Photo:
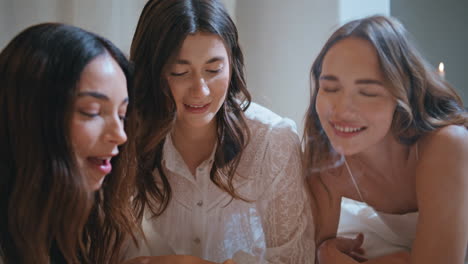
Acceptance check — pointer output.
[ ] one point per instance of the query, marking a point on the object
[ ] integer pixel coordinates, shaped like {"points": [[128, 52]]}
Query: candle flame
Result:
{"points": [[441, 67]]}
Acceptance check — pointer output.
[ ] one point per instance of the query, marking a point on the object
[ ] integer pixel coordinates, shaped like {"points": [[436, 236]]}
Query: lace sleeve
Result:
{"points": [[149, 244], [284, 207]]}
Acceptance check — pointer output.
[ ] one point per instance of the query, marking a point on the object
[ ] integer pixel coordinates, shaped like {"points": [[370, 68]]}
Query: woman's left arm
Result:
{"points": [[442, 194]]}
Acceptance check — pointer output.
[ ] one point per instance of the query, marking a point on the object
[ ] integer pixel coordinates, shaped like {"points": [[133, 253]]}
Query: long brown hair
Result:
{"points": [[425, 102], [48, 213], [161, 30]]}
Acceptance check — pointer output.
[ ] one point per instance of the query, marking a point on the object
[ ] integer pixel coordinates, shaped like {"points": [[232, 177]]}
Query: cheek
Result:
{"points": [[322, 105], [76, 131], [83, 137], [382, 111], [388, 117], [176, 89], [220, 86]]}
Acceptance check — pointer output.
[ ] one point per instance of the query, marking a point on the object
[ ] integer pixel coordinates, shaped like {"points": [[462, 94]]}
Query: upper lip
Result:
{"points": [[107, 156], [197, 104], [345, 124]]}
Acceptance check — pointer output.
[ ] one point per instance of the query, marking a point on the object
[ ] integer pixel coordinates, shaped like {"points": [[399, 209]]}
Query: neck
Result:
{"points": [[195, 144]]}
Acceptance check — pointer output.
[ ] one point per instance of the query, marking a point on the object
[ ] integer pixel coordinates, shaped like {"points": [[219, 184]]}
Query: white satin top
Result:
{"points": [[383, 233]]}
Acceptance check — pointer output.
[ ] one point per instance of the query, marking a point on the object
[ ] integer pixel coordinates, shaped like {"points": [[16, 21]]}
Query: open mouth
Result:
{"points": [[343, 130], [102, 164], [348, 129], [196, 108]]}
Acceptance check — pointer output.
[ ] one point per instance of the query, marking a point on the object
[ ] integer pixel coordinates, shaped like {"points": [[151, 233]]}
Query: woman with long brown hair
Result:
{"points": [[386, 145], [215, 179], [63, 100]]}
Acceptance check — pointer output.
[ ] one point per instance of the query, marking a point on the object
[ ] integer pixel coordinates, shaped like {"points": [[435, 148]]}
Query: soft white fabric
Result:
{"points": [[203, 221], [383, 233]]}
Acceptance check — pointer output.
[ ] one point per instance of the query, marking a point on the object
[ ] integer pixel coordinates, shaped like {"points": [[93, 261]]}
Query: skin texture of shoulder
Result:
{"points": [[441, 184]]}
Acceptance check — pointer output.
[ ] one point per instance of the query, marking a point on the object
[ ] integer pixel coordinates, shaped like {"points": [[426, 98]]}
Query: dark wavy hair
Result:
{"points": [[425, 102], [48, 214], [161, 30]]}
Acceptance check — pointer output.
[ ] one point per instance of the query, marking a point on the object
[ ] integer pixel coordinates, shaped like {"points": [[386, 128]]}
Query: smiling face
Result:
{"points": [[353, 104], [97, 122], [199, 79]]}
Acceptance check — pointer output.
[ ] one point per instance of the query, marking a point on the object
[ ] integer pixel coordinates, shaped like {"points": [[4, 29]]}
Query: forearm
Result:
{"points": [[402, 257]]}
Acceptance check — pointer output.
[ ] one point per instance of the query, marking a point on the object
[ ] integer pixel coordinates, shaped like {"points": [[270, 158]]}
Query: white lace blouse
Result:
{"points": [[201, 220]]}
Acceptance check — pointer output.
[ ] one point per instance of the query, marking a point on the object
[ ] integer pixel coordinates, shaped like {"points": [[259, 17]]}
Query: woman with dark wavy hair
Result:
{"points": [[215, 180], [386, 145], [63, 99]]}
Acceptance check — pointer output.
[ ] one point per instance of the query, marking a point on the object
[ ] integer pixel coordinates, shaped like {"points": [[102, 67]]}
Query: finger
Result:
{"points": [[359, 251], [359, 240], [347, 245], [335, 256], [139, 260], [357, 257], [357, 245]]}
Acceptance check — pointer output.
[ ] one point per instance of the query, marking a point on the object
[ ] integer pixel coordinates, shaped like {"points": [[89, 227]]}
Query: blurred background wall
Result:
{"points": [[280, 38], [440, 31]]}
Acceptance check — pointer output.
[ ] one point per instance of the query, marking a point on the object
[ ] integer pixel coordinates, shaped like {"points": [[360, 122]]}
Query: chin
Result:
{"points": [[200, 123], [96, 185], [345, 150]]}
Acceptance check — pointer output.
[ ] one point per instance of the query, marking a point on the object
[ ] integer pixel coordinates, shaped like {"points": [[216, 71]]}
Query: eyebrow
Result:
{"points": [[369, 81], [99, 96], [212, 60], [328, 78], [359, 81]]}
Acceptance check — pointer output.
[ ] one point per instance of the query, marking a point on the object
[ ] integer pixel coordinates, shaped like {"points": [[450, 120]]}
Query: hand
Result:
{"points": [[401, 257], [333, 249], [139, 260]]}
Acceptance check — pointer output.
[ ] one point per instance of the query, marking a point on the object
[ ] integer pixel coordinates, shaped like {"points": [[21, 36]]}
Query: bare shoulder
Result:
{"points": [[443, 156], [454, 138], [441, 184]]}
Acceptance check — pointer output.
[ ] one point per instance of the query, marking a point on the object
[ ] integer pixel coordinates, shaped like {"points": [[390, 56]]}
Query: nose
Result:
{"points": [[344, 105], [199, 87], [115, 131]]}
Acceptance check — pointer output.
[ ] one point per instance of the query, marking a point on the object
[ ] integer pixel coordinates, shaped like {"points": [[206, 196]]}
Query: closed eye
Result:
{"points": [[372, 91], [330, 89], [89, 114], [178, 73], [214, 71], [369, 94]]}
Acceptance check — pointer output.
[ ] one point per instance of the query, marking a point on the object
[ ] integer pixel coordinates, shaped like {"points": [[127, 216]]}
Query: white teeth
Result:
{"points": [[196, 106], [348, 129]]}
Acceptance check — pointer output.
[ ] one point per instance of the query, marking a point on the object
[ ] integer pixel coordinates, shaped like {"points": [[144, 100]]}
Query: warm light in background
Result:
{"points": [[441, 70], [441, 67]]}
